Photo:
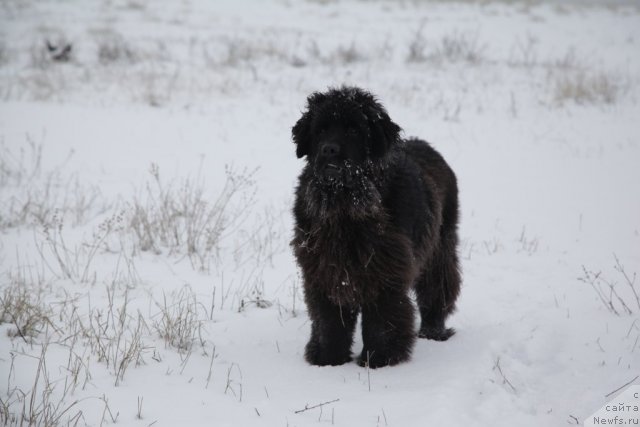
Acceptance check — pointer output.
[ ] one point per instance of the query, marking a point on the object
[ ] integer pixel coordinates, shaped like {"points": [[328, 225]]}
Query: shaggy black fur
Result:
{"points": [[375, 216]]}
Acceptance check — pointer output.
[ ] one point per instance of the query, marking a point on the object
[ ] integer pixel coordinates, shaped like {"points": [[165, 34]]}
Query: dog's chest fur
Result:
{"points": [[341, 258]]}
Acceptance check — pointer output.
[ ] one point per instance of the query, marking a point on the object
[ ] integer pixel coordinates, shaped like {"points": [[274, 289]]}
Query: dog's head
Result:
{"points": [[341, 131], [346, 136]]}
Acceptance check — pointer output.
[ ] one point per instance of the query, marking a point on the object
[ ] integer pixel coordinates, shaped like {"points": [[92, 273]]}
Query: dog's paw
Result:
{"points": [[436, 334], [373, 360], [316, 355]]}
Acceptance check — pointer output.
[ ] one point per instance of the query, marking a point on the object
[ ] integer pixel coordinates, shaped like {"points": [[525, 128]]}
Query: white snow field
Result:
{"points": [[146, 181]]}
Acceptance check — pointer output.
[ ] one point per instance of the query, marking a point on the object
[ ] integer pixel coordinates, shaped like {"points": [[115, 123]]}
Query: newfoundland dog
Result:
{"points": [[375, 216]]}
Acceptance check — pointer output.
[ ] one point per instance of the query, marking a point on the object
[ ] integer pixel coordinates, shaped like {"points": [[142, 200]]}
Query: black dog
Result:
{"points": [[375, 215]]}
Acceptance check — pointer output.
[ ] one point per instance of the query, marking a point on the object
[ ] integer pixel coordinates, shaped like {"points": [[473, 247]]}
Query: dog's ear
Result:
{"points": [[385, 133], [302, 128], [300, 133]]}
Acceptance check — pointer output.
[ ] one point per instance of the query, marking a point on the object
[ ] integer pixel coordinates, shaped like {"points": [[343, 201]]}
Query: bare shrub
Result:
{"points": [[258, 243], [297, 62], [44, 53], [75, 262], [113, 48], [616, 300], [253, 295], [524, 52], [568, 61], [181, 218], [453, 47], [235, 51], [29, 196], [39, 58], [43, 84], [348, 54], [417, 47], [526, 243], [459, 47], [25, 165], [157, 85], [313, 50], [238, 51], [40, 201], [571, 79], [630, 281], [136, 4], [125, 272], [583, 87], [307, 52], [4, 53]]}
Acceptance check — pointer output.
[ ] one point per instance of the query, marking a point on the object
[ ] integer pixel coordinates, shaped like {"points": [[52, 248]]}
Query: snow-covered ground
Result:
{"points": [[146, 184]]}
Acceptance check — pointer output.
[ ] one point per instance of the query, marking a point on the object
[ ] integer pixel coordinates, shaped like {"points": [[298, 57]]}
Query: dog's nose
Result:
{"points": [[329, 149]]}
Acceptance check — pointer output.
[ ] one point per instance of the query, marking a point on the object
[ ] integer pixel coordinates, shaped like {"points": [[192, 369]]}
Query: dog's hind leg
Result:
{"points": [[437, 290]]}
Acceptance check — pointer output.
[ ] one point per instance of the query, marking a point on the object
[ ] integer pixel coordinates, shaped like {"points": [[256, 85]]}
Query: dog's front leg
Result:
{"points": [[332, 328], [387, 329]]}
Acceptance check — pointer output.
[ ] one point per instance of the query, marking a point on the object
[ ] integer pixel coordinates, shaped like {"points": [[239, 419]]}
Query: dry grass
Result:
{"points": [[179, 322], [33, 197], [451, 48], [22, 305], [524, 52], [348, 54], [586, 87], [115, 334], [18, 167], [47, 403], [184, 220], [418, 47], [4, 53], [75, 261], [113, 48]]}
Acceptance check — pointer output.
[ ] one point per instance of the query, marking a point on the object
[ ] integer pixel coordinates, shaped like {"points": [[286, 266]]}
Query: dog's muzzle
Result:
{"points": [[333, 174]]}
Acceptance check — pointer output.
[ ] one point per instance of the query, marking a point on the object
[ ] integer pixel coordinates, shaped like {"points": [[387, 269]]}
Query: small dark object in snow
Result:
{"points": [[376, 215], [60, 52]]}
